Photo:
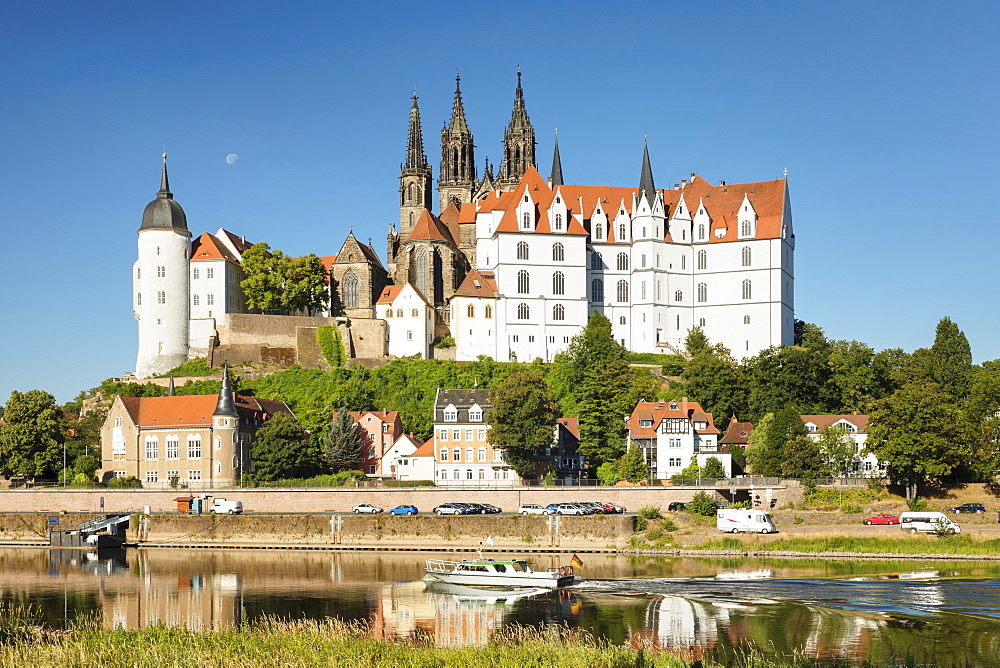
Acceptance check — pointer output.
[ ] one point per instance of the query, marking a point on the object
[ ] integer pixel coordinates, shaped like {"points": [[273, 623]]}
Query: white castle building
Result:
{"points": [[511, 267]]}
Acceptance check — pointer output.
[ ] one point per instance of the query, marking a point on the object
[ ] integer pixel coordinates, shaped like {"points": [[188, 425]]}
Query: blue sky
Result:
{"points": [[884, 114]]}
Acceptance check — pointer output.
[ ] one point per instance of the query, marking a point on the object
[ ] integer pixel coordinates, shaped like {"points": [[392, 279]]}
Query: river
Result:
{"points": [[940, 613]]}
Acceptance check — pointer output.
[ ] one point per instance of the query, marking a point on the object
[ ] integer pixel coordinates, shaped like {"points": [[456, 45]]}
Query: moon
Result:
{"points": [[231, 158]]}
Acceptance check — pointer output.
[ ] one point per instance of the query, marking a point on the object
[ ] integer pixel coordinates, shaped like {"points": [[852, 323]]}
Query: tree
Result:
{"points": [[32, 435], [715, 380], [265, 279], [852, 376], [341, 444], [591, 347], [702, 504], [282, 450], [523, 418], [305, 284], [837, 449], [984, 418], [713, 469], [803, 459], [766, 446], [607, 395], [790, 376], [632, 465], [951, 359], [919, 433], [695, 341]]}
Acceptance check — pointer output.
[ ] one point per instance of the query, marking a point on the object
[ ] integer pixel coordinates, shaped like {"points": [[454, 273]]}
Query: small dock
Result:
{"points": [[102, 532]]}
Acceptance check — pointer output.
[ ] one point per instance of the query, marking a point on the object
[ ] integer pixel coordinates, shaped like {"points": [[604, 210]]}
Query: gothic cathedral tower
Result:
{"points": [[518, 144], [161, 284], [415, 182], [458, 169]]}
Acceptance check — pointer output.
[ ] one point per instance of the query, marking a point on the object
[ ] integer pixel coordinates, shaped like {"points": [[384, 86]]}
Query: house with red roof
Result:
{"points": [[417, 464], [380, 430], [671, 434], [409, 319], [200, 441], [859, 463]]}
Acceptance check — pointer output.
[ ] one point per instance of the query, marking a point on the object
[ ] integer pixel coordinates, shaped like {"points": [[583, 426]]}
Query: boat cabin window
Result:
{"points": [[500, 568], [518, 566]]}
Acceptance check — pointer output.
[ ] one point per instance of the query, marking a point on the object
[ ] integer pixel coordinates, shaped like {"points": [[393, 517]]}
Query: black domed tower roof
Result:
{"points": [[225, 407], [163, 213]]}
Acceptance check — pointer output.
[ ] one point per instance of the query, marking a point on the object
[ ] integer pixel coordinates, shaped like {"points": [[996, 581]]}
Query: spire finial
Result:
{"points": [[164, 192], [786, 172]]}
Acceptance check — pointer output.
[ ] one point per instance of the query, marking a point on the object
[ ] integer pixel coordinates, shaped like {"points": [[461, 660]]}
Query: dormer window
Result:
{"points": [[701, 425], [645, 424], [475, 414], [526, 221], [451, 414]]}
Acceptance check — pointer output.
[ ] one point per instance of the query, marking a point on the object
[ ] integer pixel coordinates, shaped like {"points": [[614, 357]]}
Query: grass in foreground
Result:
{"points": [[329, 642], [962, 545]]}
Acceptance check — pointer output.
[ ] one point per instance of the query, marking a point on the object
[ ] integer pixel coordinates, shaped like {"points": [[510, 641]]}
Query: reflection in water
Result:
{"points": [[943, 613]]}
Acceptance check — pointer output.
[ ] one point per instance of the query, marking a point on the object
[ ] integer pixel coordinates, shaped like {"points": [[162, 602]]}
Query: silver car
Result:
{"points": [[533, 509], [367, 508]]}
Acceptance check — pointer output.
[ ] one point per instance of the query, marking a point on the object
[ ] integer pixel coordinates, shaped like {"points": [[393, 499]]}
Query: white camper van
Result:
{"points": [[222, 506], [736, 520], [927, 522]]}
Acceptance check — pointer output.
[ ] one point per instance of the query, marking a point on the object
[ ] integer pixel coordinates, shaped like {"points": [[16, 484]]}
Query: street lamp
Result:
{"points": [[64, 464]]}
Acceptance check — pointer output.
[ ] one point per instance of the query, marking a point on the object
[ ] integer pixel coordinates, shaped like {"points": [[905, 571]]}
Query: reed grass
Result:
{"points": [[271, 641], [945, 545]]}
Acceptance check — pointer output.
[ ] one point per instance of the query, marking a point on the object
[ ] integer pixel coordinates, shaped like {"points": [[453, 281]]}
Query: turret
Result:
{"points": [[161, 284], [415, 181], [457, 180], [518, 143]]}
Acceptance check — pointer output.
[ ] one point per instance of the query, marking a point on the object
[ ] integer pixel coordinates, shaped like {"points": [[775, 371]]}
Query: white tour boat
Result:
{"points": [[494, 573]]}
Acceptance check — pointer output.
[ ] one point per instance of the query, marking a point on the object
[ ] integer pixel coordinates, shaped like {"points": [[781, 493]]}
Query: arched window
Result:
{"points": [[621, 233], [399, 313], [444, 475], [701, 232], [420, 269], [468, 474], [622, 261], [746, 288], [746, 256], [482, 474], [195, 300], [457, 454], [701, 322], [161, 272], [596, 262], [523, 312], [598, 231], [350, 288], [456, 474], [558, 312], [522, 250], [523, 282], [470, 311], [623, 291], [597, 290], [621, 320], [194, 273], [678, 296], [415, 313], [388, 313], [468, 454], [702, 292], [526, 223], [558, 252], [702, 259], [746, 320], [488, 311], [558, 283], [558, 221], [745, 228]]}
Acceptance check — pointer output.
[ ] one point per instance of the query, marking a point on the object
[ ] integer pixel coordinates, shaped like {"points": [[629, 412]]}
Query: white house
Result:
{"points": [[671, 433], [417, 465], [473, 316], [464, 455], [402, 448], [855, 426], [409, 318]]}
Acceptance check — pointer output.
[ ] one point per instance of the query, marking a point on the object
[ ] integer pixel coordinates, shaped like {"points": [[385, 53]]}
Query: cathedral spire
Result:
{"points": [[458, 123], [457, 181], [415, 157], [646, 186], [556, 174], [518, 143]]}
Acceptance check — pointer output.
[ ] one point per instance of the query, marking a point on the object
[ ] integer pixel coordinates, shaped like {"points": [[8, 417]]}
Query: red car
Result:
{"points": [[882, 519]]}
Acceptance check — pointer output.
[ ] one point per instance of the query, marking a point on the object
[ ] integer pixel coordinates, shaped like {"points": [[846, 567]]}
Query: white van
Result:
{"points": [[927, 522], [222, 506], [735, 520]]}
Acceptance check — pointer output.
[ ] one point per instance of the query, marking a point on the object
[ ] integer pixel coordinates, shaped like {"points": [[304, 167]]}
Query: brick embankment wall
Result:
{"points": [[341, 499]]}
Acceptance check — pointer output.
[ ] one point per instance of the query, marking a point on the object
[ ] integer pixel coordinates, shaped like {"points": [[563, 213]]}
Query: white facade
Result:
{"points": [[855, 426], [671, 434], [409, 459], [409, 319], [159, 299]]}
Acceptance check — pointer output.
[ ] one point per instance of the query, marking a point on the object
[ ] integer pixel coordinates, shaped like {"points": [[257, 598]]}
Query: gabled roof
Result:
{"points": [[737, 433], [194, 409], [425, 450], [208, 247], [365, 249], [451, 217], [462, 399], [656, 411], [572, 425], [239, 243], [391, 292], [860, 422], [478, 284], [384, 416], [429, 227]]}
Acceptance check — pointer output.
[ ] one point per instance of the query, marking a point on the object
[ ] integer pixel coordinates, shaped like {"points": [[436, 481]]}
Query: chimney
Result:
{"points": [[692, 177], [684, 183], [722, 183], [677, 186]]}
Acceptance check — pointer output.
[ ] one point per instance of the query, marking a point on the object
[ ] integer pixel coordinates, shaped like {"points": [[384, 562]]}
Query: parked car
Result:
{"points": [[927, 522], [491, 509], [404, 509], [553, 508], [473, 508], [533, 509], [589, 507], [969, 508], [675, 506], [882, 518], [367, 508], [612, 508], [450, 509], [571, 509]]}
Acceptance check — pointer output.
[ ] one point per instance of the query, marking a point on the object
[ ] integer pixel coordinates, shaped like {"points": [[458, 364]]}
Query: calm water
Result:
{"points": [[945, 613]]}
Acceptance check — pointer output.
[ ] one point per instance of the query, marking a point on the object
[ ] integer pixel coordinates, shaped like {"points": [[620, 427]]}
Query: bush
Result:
{"points": [[851, 509], [797, 519], [916, 504], [650, 513], [607, 473], [445, 342], [407, 483], [195, 367], [130, 482], [331, 345], [668, 525], [702, 504], [640, 524]]}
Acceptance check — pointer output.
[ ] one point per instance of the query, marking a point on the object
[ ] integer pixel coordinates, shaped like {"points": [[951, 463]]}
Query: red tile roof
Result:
{"points": [[194, 409], [478, 284], [425, 450], [207, 247], [824, 421], [737, 433], [657, 411], [390, 292], [429, 227]]}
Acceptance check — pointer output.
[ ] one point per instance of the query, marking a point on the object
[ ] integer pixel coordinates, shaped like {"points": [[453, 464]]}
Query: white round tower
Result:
{"points": [[161, 284]]}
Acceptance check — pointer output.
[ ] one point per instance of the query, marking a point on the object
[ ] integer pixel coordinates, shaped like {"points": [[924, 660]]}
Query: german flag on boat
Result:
{"points": [[576, 561]]}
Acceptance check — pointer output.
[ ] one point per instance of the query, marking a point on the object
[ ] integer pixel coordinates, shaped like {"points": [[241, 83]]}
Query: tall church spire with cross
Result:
{"points": [[518, 143], [457, 180], [415, 181]]}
